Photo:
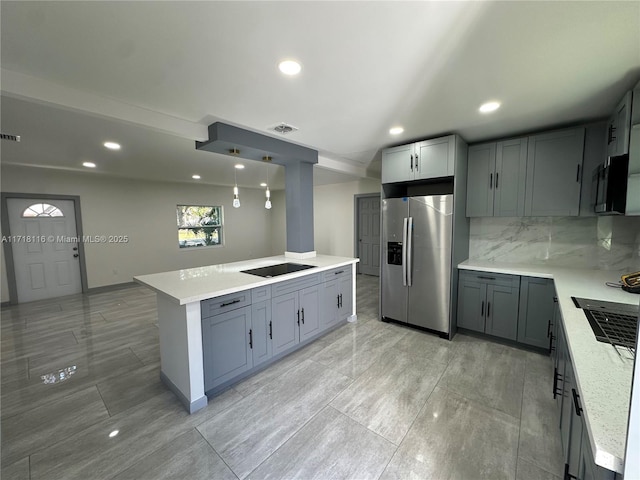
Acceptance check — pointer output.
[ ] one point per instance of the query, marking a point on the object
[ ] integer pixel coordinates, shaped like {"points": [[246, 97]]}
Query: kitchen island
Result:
{"points": [[204, 313], [602, 376]]}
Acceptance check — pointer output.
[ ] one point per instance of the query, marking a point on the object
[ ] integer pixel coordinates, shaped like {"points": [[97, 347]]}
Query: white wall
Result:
{"points": [[146, 212], [334, 215]]}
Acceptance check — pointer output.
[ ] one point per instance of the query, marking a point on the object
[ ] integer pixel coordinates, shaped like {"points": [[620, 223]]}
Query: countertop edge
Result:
{"points": [[250, 284]]}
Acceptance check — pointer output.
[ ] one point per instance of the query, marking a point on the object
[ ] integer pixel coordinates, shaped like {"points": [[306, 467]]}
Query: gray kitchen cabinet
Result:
{"points": [[480, 171], [397, 164], [489, 303], [261, 348], [337, 299], [472, 294], [309, 312], [570, 420], [226, 346], [435, 158], [619, 127], [295, 313], [554, 173], [587, 468], [423, 160], [502, 310], [284, 319], [536, 311], [496, 179]]}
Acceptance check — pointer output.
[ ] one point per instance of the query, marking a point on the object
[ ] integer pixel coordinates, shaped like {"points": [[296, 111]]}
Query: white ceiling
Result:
{"points": [[153, 75]]}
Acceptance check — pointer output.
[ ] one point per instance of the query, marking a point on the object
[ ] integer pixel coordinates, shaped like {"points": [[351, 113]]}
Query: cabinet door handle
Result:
{"points": [[341, 271], [490, 181], [298, 316], [411, 163], [417, 166], [271, 330], [251, 339], [497, 173], [338, 300], [549, 328], [488, 309], [482, 309], [576, 402], [578, 174], [556, 377], [230, 303], [487, 278], [303, 316]]}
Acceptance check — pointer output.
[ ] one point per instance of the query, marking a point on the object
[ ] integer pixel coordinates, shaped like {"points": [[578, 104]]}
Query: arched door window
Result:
{"points": [[42, 210]]}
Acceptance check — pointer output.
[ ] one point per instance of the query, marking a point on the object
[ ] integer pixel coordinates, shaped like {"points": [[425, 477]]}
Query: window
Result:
{"points": [[42, 210], [199, 226]]}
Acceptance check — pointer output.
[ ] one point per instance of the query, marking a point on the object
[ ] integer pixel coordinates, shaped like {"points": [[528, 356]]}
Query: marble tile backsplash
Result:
{"points": [[582, 242]]}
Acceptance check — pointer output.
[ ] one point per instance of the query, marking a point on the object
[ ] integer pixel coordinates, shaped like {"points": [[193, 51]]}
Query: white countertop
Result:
{"points": [[196, 284], [602, 377]]}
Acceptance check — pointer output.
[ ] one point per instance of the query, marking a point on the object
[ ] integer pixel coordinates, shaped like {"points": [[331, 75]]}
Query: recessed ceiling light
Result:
{"points": [[112, 145], [89, 165], [114, 433], [289, 67], [489, 107], [239, 166], [195, 177], [263, 184], [396, 130]]}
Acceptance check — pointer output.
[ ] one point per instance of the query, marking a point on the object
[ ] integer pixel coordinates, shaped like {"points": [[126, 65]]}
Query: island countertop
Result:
{"points": [[200, 283], [602, 376]]}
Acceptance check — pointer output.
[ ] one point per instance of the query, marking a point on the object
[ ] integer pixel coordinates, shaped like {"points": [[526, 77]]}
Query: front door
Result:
{"points": [[369, 235], [45, 250]]}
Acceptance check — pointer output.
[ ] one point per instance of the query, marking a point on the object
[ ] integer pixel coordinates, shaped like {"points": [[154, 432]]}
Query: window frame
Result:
{"points": [[195, 228]]}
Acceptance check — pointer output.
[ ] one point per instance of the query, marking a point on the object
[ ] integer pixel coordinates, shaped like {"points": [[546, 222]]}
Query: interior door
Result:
{"points": [[394, 292], [45, 253], [369, 235]]}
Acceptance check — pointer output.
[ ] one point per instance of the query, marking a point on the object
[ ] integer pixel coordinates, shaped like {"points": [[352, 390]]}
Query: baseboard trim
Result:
{"points": [[111, 288], [190, 406]]}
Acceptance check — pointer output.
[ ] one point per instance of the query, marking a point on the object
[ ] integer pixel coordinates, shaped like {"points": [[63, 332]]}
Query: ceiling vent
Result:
{"points": [[284, 128], [12, 138]]}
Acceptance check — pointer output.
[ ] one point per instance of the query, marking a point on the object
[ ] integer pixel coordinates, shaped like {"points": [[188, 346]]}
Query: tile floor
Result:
{"points": [[369, 400]]}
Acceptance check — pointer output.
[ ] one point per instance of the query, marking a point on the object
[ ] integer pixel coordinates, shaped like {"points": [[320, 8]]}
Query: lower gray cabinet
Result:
{"points": [[536, 310], [284, 318], [261, 335], [489, 303], [337, 298], [295, 317], [226, 346]]}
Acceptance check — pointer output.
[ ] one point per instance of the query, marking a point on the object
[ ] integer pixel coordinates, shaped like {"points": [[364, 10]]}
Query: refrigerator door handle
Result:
{"points": [[409, 250], [404, 251]]}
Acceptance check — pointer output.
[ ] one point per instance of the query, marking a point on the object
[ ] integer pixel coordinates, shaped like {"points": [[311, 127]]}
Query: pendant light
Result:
{"points": [[267, 204], [236, 197]]}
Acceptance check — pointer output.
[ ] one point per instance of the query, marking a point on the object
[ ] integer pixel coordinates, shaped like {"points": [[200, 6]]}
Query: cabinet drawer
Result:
{"points": [[491, 278], [261, 293], [296, 284], [225, 303], [336, 273]]}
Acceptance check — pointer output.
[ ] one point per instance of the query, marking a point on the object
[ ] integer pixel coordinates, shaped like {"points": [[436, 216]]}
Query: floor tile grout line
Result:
{"points": [[524, 380], [216, 452]]}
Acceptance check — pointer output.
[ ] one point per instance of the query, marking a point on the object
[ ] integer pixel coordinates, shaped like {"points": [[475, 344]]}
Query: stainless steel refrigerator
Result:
{"points": [[416, 263]]}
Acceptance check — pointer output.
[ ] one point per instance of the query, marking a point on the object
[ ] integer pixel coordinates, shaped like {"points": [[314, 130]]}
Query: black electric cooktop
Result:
{"points": [[275, 270]]}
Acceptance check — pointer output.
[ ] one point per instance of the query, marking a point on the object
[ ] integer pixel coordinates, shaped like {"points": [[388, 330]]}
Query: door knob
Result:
{"points": [[75, 255]]}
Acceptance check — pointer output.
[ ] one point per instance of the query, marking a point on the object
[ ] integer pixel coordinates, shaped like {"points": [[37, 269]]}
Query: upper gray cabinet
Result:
{"points": [[618, 127], [554, 173], [428, 159], [496, 179]]}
